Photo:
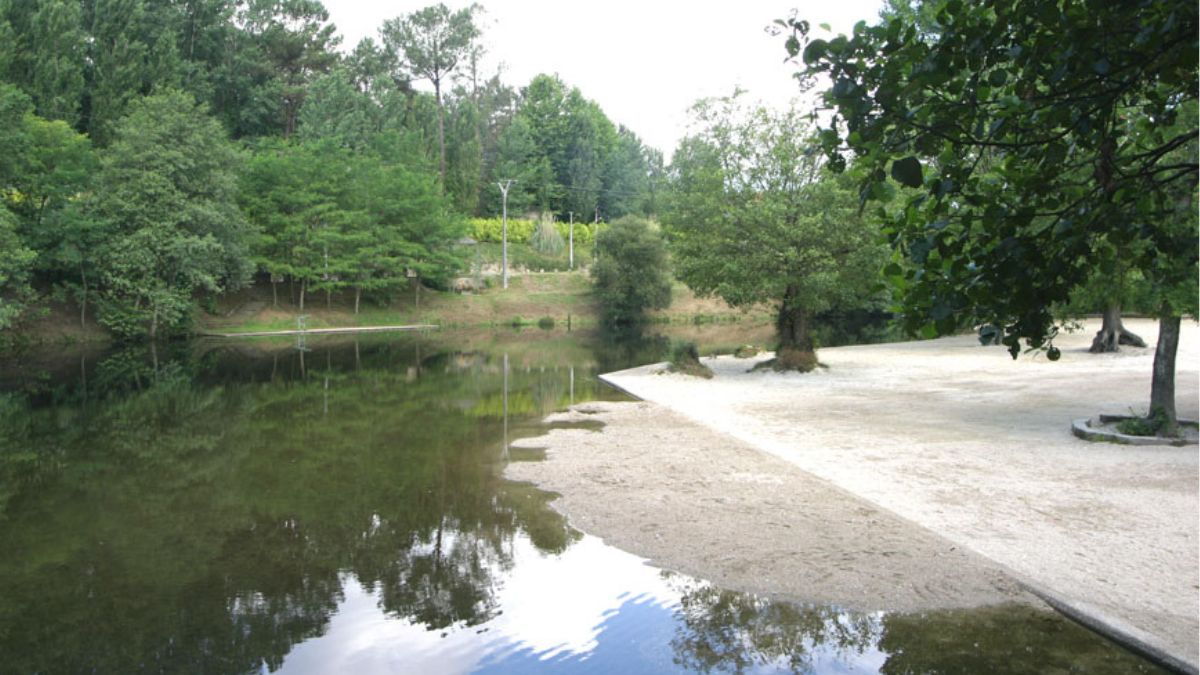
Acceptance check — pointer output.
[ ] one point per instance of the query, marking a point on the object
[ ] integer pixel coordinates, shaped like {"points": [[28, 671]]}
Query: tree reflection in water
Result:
{"points": [[202, 510]]}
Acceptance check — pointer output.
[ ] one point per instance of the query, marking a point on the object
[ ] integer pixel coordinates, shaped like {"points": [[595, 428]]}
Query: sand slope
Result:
{"points": [[700, 502], [976, 447]]}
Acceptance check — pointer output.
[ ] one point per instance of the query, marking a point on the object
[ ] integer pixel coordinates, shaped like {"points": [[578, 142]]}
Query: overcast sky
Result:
{"points": [[645, 62]]}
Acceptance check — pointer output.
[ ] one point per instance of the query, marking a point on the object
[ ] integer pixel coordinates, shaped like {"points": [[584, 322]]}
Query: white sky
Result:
{"points": [[644, 62]]}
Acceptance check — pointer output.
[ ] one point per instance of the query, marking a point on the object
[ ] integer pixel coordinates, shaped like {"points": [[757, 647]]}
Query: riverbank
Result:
{"points": [[532, 298], [545, 299], [948, 435]]}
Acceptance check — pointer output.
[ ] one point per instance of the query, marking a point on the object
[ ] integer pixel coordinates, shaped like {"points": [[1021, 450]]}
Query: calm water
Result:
{"points": [[338, 507]]}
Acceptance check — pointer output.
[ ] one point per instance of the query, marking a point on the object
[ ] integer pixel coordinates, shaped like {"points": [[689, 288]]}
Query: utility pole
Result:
{"points": [[571, 246], [504, 185]]}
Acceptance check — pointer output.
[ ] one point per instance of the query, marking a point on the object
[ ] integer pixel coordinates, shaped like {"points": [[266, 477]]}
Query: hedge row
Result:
{"points": [[520, 230]]}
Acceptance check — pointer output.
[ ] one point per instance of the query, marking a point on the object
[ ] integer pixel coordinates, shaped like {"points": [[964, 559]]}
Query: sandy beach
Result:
{"points": [[918, 474]]}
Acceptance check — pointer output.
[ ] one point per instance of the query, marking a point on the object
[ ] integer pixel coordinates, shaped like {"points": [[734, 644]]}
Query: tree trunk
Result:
{"points": [[792, 324], [83, 298], [795, 345], [437, 92], [1162, 387], [303, 286], [154, 323], [1112, 332], [357, 296], [274, 294]]}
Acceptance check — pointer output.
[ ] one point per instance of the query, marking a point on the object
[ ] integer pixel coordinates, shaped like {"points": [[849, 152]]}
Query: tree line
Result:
{"points": [[154, 151]]}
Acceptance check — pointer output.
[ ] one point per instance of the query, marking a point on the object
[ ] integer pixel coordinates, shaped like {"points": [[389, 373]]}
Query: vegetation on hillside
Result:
{"points": [[278, 157]]}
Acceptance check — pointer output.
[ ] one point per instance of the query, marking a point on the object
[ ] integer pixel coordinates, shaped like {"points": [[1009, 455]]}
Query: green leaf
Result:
{"points": [[907, 172], [815, 51]]}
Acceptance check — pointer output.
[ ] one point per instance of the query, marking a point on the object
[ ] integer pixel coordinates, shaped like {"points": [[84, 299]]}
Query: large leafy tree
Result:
{"points": [[432, 44], [1048, 140], [753, 221], [44, 168], [167, 189]]}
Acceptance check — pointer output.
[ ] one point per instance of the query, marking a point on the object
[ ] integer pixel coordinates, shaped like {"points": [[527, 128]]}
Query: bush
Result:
{"points": [[746, 352], [685, 359], [520, 230], [631, 270], [491, 230]]}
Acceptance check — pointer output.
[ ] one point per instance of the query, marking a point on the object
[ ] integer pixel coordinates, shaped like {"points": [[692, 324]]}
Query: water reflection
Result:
{"points": [[250, 506]]}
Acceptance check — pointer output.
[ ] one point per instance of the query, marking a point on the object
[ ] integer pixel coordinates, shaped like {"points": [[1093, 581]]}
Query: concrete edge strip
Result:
{"points": [[1082, 428], [1106, 626], [605, 379], [323, 331]]}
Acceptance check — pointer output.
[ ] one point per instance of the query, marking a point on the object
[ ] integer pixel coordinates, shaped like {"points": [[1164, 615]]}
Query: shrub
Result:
{"points": [[1150, 425], [631, 271], [520, 230], [491, 229], [746, 352], [685, 359]]}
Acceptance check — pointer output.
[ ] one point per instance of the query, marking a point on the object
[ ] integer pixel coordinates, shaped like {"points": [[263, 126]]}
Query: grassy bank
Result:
{"points": [[546, 299]]}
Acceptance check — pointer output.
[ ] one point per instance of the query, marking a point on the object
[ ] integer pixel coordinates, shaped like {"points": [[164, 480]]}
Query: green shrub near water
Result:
{"points": [[685, 358]]}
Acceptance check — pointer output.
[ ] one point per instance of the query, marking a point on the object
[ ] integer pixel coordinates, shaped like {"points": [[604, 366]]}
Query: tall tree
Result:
{"points": [[167, 187], [464, 154], [116, 57], [298, 43], [752, 221], [1052, 92], [58, 43], [432, 43]]}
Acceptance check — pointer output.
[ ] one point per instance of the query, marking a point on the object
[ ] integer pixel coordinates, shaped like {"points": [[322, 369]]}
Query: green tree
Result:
{"points": [[627, 177], [298, 42], [50, 187], [334, 109], [519, 158], [167, 189], [58, 44], [16, 264], [332, 219], [631, 270], [432, 43], [1042, 154], [116, 57], [464, 154], [292, 194], [752, 221]]}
